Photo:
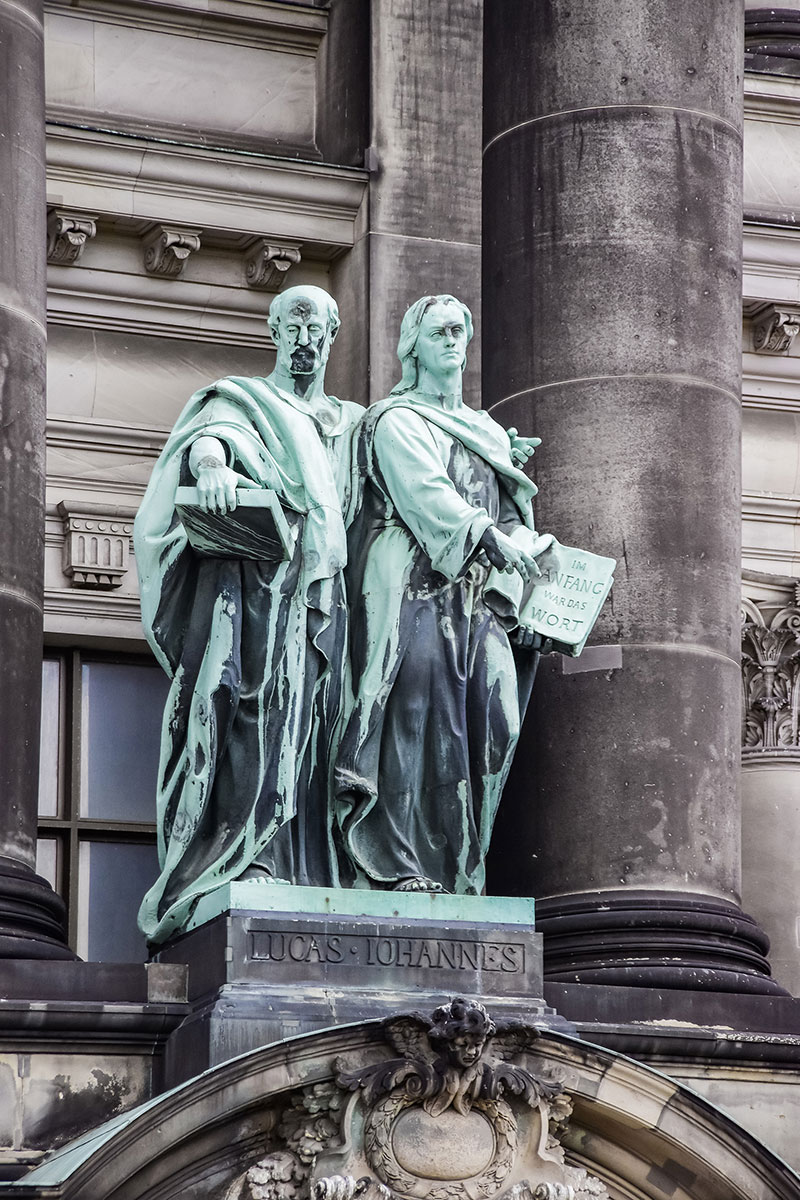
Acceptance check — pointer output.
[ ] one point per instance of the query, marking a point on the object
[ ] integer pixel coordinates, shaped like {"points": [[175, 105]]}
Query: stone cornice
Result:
{"points": [[270, 25], [771, 268], [67, 484], [775, 507], [109, 437], [145, 304], [136, 182], [771, 383], [771, 98]]}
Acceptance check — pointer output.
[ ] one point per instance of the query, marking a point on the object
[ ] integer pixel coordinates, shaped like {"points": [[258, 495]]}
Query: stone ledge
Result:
{"points": [[267, 24], [682, 1025], [289, 899], [89, 982]]}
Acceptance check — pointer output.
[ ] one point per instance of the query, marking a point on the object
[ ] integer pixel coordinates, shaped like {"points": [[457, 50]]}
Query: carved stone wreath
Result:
{"points": [[456, 1113], [385, 1147]]}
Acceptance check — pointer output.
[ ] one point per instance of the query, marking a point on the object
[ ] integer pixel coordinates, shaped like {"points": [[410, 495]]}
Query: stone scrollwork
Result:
{"points": [[345, 1187], [454, 1113], [267, 265], [166, 249], [67, 235], [775, 328], [770, 678], [581, 1186]]}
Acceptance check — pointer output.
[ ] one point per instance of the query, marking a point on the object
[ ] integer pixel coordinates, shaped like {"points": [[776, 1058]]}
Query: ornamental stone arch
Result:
{"points": [[352, 1112]]}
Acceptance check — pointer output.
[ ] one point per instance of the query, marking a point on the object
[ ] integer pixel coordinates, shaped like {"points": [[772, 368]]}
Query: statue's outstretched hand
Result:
{"points": [[522, 447], [505, 555]]}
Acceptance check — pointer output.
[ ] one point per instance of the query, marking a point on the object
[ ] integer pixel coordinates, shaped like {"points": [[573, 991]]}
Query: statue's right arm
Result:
{"points": [[216, 482], [504, 555]]}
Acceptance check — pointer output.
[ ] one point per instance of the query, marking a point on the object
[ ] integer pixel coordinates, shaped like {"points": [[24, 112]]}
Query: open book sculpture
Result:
{"points": [[564, 601]]}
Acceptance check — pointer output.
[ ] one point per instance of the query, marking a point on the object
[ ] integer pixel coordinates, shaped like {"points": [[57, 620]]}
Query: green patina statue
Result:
{"points": [[430, 732], [275, 765], [255, 648]]}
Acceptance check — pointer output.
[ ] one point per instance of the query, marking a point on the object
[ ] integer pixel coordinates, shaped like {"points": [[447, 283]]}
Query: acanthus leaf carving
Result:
{"points": [[770, 678], [277, 1176]]}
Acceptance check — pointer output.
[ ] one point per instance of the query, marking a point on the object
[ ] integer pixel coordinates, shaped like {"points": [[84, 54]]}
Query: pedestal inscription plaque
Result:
{"points": [[272, 970]]}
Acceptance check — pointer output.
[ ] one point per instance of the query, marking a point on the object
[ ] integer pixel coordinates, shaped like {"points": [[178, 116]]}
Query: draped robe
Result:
{"points": [[255, 651], [428, 738]]}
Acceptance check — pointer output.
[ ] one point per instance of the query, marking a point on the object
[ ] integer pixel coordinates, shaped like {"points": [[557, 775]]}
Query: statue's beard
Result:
{"points": [[304, 360]]}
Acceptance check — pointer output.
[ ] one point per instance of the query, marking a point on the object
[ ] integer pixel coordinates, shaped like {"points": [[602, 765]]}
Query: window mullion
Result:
{"points": [[74, 783]]}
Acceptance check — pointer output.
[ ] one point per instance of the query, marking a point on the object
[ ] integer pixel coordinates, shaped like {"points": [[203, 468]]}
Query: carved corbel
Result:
{"points": [[166, 249], [267, 265], [67, 235], [96, 544], [775, 328]]}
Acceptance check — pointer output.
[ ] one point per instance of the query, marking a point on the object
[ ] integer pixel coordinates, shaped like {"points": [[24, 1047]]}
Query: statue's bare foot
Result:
{"points": [[418, 883], [258, 874]]}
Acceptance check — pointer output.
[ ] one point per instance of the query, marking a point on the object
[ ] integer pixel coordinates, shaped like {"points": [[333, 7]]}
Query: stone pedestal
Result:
{"points": [[31, 915], [612, 324], [283, 960]]}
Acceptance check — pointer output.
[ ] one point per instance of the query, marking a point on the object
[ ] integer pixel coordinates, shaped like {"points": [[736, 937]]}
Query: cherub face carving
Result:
{"points": [[466, 1049], [460, 1031]]}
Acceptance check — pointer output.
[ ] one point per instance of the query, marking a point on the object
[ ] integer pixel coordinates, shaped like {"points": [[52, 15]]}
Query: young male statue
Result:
{"points": [[255, 649], [427, 744]]}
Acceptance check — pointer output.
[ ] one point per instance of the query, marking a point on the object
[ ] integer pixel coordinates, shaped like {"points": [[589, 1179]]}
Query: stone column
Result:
{"points": [[419, 231], [611, 329], [31, 915]]}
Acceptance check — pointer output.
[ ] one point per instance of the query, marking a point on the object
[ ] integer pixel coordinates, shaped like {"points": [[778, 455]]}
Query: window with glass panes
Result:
{"points": [[101, 727]]}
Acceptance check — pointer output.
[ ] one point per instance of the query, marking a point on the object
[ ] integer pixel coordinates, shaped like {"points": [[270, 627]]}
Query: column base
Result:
{"points": [[654, 939], [32, 916]]}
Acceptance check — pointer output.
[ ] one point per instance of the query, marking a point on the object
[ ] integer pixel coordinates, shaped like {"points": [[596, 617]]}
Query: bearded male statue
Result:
{"points": [[254, 649]]}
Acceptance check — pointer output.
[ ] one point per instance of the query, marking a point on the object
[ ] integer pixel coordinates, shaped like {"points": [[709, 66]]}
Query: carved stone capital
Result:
{"points": [[770, 677], [775, 328], [166, 249], [67, 235], [267, 264], [96, 544]]}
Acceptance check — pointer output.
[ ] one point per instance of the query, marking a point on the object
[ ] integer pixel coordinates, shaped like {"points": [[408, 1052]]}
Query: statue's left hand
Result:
{"points": [[529, 639], [522, 447]]}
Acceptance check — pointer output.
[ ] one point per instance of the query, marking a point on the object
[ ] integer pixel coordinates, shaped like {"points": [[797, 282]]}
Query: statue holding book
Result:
{"points": [[350, 605], [244, 607], [429, 738]]}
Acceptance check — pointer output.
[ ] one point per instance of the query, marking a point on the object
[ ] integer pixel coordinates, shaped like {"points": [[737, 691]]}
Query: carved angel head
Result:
{"points": [[460, 1031]]}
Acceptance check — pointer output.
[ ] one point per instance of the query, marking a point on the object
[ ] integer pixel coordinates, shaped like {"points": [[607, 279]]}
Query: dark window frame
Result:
{"points": [[69, 829]]}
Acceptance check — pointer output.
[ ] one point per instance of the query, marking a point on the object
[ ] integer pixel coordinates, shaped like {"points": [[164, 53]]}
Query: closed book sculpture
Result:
{"points": [[257, 528]]}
